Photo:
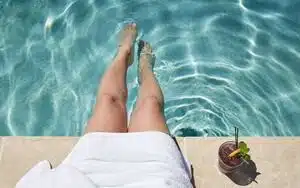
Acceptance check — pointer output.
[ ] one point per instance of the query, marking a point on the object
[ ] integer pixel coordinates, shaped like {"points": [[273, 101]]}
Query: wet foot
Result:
{"points": [[128, 36], [146, 59]]}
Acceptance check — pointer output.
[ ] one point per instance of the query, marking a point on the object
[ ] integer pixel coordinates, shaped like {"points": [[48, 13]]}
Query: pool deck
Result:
{"points": [[276, 158]]}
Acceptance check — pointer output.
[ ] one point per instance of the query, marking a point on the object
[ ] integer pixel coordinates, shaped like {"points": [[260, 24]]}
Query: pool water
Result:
{"points": [[221, 63]]}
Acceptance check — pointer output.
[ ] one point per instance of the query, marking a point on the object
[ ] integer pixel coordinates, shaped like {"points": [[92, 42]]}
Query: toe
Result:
{"points": [[129, 28], [146, 47], [133, 25]]}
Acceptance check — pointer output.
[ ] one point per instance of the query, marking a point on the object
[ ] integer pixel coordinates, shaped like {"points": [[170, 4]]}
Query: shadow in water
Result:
{"points": [[191, 132], [245, 175]]}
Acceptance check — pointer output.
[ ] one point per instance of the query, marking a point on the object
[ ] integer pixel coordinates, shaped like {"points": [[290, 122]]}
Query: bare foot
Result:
{"points": [[146, 59], [128, 36]]}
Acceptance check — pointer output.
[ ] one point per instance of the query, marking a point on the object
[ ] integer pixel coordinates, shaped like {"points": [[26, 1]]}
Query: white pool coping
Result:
{"points": [[276, 158]]}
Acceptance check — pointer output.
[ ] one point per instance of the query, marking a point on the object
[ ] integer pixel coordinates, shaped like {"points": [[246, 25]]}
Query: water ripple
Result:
{"points": [[220, 64]]}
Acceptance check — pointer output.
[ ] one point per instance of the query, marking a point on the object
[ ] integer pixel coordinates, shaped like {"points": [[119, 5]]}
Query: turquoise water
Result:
{"points": [[220, 63]]}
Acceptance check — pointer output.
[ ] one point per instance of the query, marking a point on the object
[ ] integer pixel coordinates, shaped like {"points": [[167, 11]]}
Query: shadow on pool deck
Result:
{"points": [[192, 169], [245, 175]]}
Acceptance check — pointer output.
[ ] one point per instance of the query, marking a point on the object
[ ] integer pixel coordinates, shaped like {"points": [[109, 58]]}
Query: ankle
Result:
{"points": [[123, 50], [146, 76], [122, 54]]}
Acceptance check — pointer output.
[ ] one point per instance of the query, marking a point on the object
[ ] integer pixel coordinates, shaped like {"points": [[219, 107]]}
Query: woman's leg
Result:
{"points": [[110, 113], [148, 114]]}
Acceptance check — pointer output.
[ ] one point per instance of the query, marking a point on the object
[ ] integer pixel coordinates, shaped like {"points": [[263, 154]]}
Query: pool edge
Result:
{"points": [[21, 153]]}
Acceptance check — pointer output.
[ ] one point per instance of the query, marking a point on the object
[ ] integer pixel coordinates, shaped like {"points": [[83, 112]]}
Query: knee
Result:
{"points": [[153, 103], [108, 99]]}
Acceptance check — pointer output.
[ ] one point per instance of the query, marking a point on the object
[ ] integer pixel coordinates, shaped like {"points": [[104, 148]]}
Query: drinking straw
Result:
{"points": [[236, 134]]}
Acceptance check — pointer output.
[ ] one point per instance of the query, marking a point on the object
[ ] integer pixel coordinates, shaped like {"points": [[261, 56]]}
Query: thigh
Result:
{"points": [[109, 116], [148, 116]]}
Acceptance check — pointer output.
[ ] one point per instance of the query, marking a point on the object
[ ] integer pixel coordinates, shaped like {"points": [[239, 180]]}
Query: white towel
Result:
{"points": [[145, 159]]}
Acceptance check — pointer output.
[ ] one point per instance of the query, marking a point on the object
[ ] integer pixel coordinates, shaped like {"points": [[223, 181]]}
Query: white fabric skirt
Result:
{"points": [[129, 157], [144, 159]]}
